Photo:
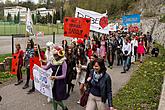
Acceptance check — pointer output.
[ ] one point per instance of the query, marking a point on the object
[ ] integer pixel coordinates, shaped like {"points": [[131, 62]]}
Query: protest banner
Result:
{"points": [[130, 19], [133, 28], [76, 27], [33, 60], [112, 27], [15, 61], [99, 22], [41, 80], [29, 22]]}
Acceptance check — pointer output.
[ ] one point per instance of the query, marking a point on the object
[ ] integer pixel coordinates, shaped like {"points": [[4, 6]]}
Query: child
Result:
{"points": [[155, 51]]}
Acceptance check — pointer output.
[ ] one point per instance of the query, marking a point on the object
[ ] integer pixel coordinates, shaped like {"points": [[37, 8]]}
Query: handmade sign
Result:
{"points": [[99, 22], [33, 60], [76, 27], [15, 61], [130, 19], [42, 82], [132, 28]]}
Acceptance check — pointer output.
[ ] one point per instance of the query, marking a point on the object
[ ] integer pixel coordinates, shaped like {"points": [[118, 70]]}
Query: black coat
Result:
{"points": [[105, 87]]}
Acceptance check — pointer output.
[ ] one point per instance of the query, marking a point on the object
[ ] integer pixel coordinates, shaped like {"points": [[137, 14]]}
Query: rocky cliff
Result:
{"points": [[156, 28]]}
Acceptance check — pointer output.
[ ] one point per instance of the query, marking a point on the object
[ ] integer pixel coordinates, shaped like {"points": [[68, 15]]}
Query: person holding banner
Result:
{"points": [[20, 63], [38, 59], [28, 54], [59, 67]]}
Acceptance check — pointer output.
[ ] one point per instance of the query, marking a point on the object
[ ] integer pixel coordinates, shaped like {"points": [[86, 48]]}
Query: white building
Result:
{"points": [[23, 12], [44, 11], [14, 11]]}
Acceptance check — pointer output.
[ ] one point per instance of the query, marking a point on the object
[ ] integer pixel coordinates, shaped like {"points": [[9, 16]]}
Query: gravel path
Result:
{"points": [[15, 98]]}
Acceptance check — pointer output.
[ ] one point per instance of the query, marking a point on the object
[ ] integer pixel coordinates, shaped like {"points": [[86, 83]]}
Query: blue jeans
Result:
{"points": [[126, 63]]}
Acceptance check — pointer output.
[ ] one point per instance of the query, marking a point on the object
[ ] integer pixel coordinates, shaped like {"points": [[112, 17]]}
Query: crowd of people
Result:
{"points": [[86, 62]]}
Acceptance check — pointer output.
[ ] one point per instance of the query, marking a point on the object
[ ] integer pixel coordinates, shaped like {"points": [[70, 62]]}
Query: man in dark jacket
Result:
{"points": [[149, 41]]}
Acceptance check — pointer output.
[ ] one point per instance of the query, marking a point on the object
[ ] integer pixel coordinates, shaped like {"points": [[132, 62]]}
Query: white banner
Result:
{"points": [[113, 27], [99, 22], [29, 22], [42, 82]]}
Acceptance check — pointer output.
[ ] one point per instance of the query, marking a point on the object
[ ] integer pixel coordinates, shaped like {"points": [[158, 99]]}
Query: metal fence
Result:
{"points": [[9, 28]]}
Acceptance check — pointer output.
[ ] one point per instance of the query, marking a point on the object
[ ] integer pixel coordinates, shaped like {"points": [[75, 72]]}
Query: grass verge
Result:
{"points": [[143, 90], [3, 56]]}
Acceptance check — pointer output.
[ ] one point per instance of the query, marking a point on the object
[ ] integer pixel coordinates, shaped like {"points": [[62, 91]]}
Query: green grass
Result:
{"points": [[143, 90], [3, 56], [9, 29]]}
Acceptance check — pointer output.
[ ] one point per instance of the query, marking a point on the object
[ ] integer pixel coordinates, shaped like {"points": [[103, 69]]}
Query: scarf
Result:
{"points": [[96, 77], [59, 62]]}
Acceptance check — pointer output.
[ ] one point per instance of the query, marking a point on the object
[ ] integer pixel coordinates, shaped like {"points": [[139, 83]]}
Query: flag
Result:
{"points": [[29, 22]]}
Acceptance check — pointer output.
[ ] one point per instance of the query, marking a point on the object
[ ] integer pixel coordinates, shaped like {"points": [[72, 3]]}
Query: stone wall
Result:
{"points": [[156, 28]]}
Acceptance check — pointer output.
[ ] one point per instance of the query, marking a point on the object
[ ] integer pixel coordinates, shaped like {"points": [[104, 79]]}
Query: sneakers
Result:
{"points": [[49, 100], [65, 108], [123, 72], [0, 98], [26, 86], [19, 82], [78, 102], [31, 91]]}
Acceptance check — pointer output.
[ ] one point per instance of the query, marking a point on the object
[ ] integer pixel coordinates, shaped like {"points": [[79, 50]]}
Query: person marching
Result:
{"points": [[20, 63], [28, 54], [81, 62], [59, 67], [38, 53], [71, 63], [141, 48], [100, 88], [126, 55]]}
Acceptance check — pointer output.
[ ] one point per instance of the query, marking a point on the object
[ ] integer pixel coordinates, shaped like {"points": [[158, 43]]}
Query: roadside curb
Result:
{"points": [[162, 97]]}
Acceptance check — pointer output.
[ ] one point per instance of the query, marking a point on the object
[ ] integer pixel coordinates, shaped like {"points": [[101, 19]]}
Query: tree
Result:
{"points": [[18, 17], [15, 19], [49, 18], [38, 17], [54, 18], [9, 18], [33, 18]]}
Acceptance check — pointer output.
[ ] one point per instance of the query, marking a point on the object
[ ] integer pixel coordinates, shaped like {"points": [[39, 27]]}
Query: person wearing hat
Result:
{"points": [[28, 54], [59, 67]]}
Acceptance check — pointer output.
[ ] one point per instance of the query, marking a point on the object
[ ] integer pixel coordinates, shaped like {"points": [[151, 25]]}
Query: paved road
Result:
{"points": [[15, 98], [6, 42]]}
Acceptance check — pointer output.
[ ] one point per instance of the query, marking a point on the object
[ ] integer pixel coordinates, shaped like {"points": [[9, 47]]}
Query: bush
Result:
{"points": [[144, 88], [162, 19]]}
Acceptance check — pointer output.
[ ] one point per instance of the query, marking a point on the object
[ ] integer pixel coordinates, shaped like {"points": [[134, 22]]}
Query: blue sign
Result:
{"points": [[130, 19]]}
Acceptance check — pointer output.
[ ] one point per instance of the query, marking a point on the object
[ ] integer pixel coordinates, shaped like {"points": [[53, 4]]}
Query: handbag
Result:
{"points": [[84, 99]]}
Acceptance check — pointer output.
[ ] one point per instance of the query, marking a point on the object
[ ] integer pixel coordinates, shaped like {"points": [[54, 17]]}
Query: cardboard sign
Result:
{"points": [[34, 60], [99, 22], [15, 61], [42, 82], [133, 28], [76, 27]]}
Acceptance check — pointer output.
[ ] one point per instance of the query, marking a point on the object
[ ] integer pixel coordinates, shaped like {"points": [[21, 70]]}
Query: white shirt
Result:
{"points": [[127, 47]]}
